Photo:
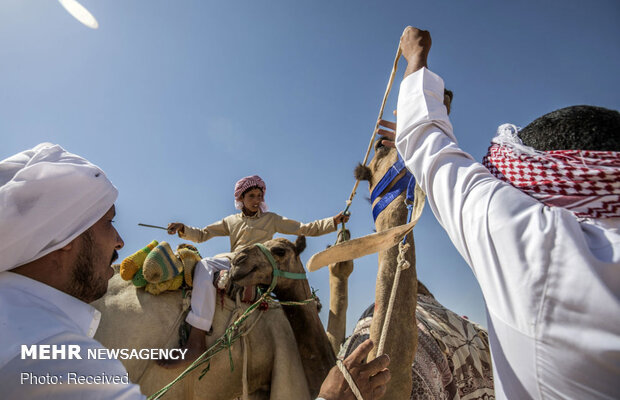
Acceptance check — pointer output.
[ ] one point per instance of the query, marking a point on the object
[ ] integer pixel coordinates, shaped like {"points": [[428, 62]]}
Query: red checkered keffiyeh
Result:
{"points": [[585, 182]]}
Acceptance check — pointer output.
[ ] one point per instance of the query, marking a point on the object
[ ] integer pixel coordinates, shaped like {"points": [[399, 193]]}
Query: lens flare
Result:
{"points": [[80, 13]]}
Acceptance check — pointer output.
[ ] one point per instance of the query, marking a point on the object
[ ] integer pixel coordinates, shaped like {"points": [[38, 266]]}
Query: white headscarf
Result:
{"points": [[48, 197]]}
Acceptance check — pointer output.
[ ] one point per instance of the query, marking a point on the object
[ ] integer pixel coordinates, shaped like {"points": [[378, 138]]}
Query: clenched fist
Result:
{"points": [[415, 45]]}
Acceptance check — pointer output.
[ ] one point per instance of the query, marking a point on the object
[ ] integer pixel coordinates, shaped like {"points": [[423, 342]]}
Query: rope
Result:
{"points": [[244, 376], [349, 379], [374, 133], [402, 265], [244, 347], [224, 342], [233, 332], [348, 202], [414, 214]]}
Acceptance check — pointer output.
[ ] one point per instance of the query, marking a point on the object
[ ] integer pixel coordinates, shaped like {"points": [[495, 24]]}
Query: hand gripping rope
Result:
{"points": [[349, 379], [407, 182]]}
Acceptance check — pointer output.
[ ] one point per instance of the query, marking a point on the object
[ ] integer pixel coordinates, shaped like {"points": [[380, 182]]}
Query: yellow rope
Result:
{"points": [[349, 379], [374, 133], [339, 363], [402, 265]]}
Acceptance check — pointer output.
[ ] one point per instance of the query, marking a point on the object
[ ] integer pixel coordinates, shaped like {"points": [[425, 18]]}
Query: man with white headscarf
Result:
{"points": [[538, 223], [57, 243]]}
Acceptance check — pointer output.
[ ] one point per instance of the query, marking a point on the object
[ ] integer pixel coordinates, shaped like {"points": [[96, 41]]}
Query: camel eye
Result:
{"points": [[379, 143], [278, 251]]}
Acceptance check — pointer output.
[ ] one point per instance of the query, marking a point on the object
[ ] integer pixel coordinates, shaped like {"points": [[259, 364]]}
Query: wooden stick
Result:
{"points": [[153, 226], [374, 133]]}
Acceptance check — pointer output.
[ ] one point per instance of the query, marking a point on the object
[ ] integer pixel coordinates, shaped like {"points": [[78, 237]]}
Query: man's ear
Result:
{"points": [[448, 96], [69, 246]]}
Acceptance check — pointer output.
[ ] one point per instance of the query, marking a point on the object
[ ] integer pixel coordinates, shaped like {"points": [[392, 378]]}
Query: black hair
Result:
{"points": [[448, 104], [250, 188], [574, 128]]}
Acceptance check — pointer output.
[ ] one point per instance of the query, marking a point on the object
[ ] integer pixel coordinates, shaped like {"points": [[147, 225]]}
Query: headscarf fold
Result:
{"points": [[48, 197], [244, 184], [584, 182]]}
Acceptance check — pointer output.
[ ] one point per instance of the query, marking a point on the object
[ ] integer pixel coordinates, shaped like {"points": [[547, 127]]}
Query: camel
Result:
{"points": [[134, 319], [452, 361], [445, 342], [403, 322], [251, 267], [338, 298]]}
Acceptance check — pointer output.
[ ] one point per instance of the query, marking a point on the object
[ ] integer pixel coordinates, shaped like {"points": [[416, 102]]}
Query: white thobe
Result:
{"points": [[205, 293], [32, 313], [551, 282]]}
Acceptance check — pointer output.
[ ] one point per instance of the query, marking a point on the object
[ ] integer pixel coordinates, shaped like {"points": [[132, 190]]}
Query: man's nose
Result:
{"points": [[119, 242]]}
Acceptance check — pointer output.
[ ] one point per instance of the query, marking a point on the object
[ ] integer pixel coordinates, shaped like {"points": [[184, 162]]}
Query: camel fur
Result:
{"points": [[134, 319], [251, 267], [425, 335], [338, 297], [403, 322], [452, 360]]}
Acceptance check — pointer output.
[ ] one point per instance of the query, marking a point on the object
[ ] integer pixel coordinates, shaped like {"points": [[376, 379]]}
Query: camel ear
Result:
{"points": [[300, 244], [362, 173]]}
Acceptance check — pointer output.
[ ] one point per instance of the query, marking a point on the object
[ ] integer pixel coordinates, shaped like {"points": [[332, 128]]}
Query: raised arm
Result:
{"points": [[198, 235], [415, 45], [314, 228], [486, 219]]}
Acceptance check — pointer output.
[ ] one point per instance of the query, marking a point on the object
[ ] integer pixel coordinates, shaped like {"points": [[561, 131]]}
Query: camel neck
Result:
{"points": [[298, 290], [314, 348], [401, 341]]}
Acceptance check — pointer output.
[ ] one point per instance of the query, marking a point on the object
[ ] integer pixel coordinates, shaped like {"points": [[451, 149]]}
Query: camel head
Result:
{"points": [[251, 266], [384, 157]]}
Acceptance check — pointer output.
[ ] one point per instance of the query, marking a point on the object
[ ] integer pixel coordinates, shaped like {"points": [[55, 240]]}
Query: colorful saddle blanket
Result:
{"points": [[453, 359]]}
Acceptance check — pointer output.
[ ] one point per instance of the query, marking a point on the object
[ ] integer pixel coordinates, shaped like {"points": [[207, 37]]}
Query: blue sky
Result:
{"points": [[176, 100]]}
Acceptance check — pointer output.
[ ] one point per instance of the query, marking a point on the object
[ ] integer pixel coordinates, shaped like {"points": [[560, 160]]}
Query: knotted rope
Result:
{"points": [[415, 212], [402, 247], [402, 264]]}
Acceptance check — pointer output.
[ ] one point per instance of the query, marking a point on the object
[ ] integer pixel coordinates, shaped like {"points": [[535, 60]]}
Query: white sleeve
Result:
{"points": [[480, 213]]}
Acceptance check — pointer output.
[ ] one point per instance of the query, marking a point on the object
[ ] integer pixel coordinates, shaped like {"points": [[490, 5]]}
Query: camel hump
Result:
{"points": [[447, 343]]}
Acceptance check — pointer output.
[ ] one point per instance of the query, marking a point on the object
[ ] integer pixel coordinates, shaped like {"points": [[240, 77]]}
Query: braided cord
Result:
{"points": [[402, 265], [374, 133], [349, 379]]}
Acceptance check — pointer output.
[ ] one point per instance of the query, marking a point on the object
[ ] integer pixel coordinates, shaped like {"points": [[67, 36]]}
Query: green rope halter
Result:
{"points": [[232, 333], [278, 272]]}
